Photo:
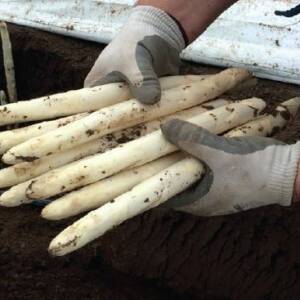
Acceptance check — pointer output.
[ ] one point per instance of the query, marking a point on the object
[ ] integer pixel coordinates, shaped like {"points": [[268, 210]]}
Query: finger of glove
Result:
{"points": [[202, 144], [164, 58], [154, 58], [95, 78], [149, 92], [144, 83], [192, 139], [194, 193]]}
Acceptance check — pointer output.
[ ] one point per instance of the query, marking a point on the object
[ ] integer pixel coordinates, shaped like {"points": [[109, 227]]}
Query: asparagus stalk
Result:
{"points": [[124, 115], [100, 193], [10, 138], [151, 193], [170, 82], [89, 197], [78, 101], [146, 195], [24, 171], [64, 104], [8, 63], [269, 124], [135, 153]]}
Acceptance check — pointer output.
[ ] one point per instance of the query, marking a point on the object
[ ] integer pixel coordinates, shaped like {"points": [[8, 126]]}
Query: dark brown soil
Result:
{"points": [[160, 254]]}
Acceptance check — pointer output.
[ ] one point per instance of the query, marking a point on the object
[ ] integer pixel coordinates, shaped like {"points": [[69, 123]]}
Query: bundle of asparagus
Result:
{"points": [[86, 153]]}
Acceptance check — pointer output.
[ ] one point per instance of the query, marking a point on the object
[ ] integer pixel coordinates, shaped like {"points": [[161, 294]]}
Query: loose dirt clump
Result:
{"points": [[160, 254]]}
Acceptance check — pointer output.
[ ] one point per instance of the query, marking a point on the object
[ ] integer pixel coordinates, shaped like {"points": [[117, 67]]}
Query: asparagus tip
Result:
{"points": [[62, 245], [7, 200], [48, 214], [8, 158]]}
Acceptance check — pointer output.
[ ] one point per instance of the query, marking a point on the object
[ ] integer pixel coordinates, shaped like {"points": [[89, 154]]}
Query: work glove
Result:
{"points": [[241, 173], [147, 47]]}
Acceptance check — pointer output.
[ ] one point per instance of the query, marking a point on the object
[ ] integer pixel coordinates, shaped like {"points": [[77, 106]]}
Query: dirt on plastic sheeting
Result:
{"points": [[160, 254]]}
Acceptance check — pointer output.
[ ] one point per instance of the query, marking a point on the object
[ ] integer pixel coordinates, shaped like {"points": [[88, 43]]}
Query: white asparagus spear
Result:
{"points": [[124, 115], [146, 195], [24, 171], [10, 138], [170, 82], [27, 170], [135, 153], [64, 101], [99, 193], [64, 104], [268, 125], [77, 101], [17, 194], [8, 63], [142, 197]]}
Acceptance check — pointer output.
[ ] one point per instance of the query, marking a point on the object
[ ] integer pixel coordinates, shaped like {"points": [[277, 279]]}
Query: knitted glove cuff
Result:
{"points": [[283, 173], [159, 21]]}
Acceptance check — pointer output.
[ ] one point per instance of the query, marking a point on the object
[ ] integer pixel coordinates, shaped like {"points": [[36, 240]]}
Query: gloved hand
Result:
{"points": [[241, 173], [146, 48]]}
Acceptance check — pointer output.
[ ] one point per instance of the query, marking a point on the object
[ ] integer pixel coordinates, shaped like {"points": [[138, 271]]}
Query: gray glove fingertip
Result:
{"points": [[198, 190], [192, 139], [148, 93], [177, 131], [171, 130], [196, 140]]}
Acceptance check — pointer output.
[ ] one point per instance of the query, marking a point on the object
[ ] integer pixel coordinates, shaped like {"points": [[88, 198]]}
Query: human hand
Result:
{"points": [[147, 47], [241, 173]]}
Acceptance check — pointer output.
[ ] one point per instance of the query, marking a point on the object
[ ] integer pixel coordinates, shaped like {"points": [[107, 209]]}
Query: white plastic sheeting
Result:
{"points": [[248, 35]]}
